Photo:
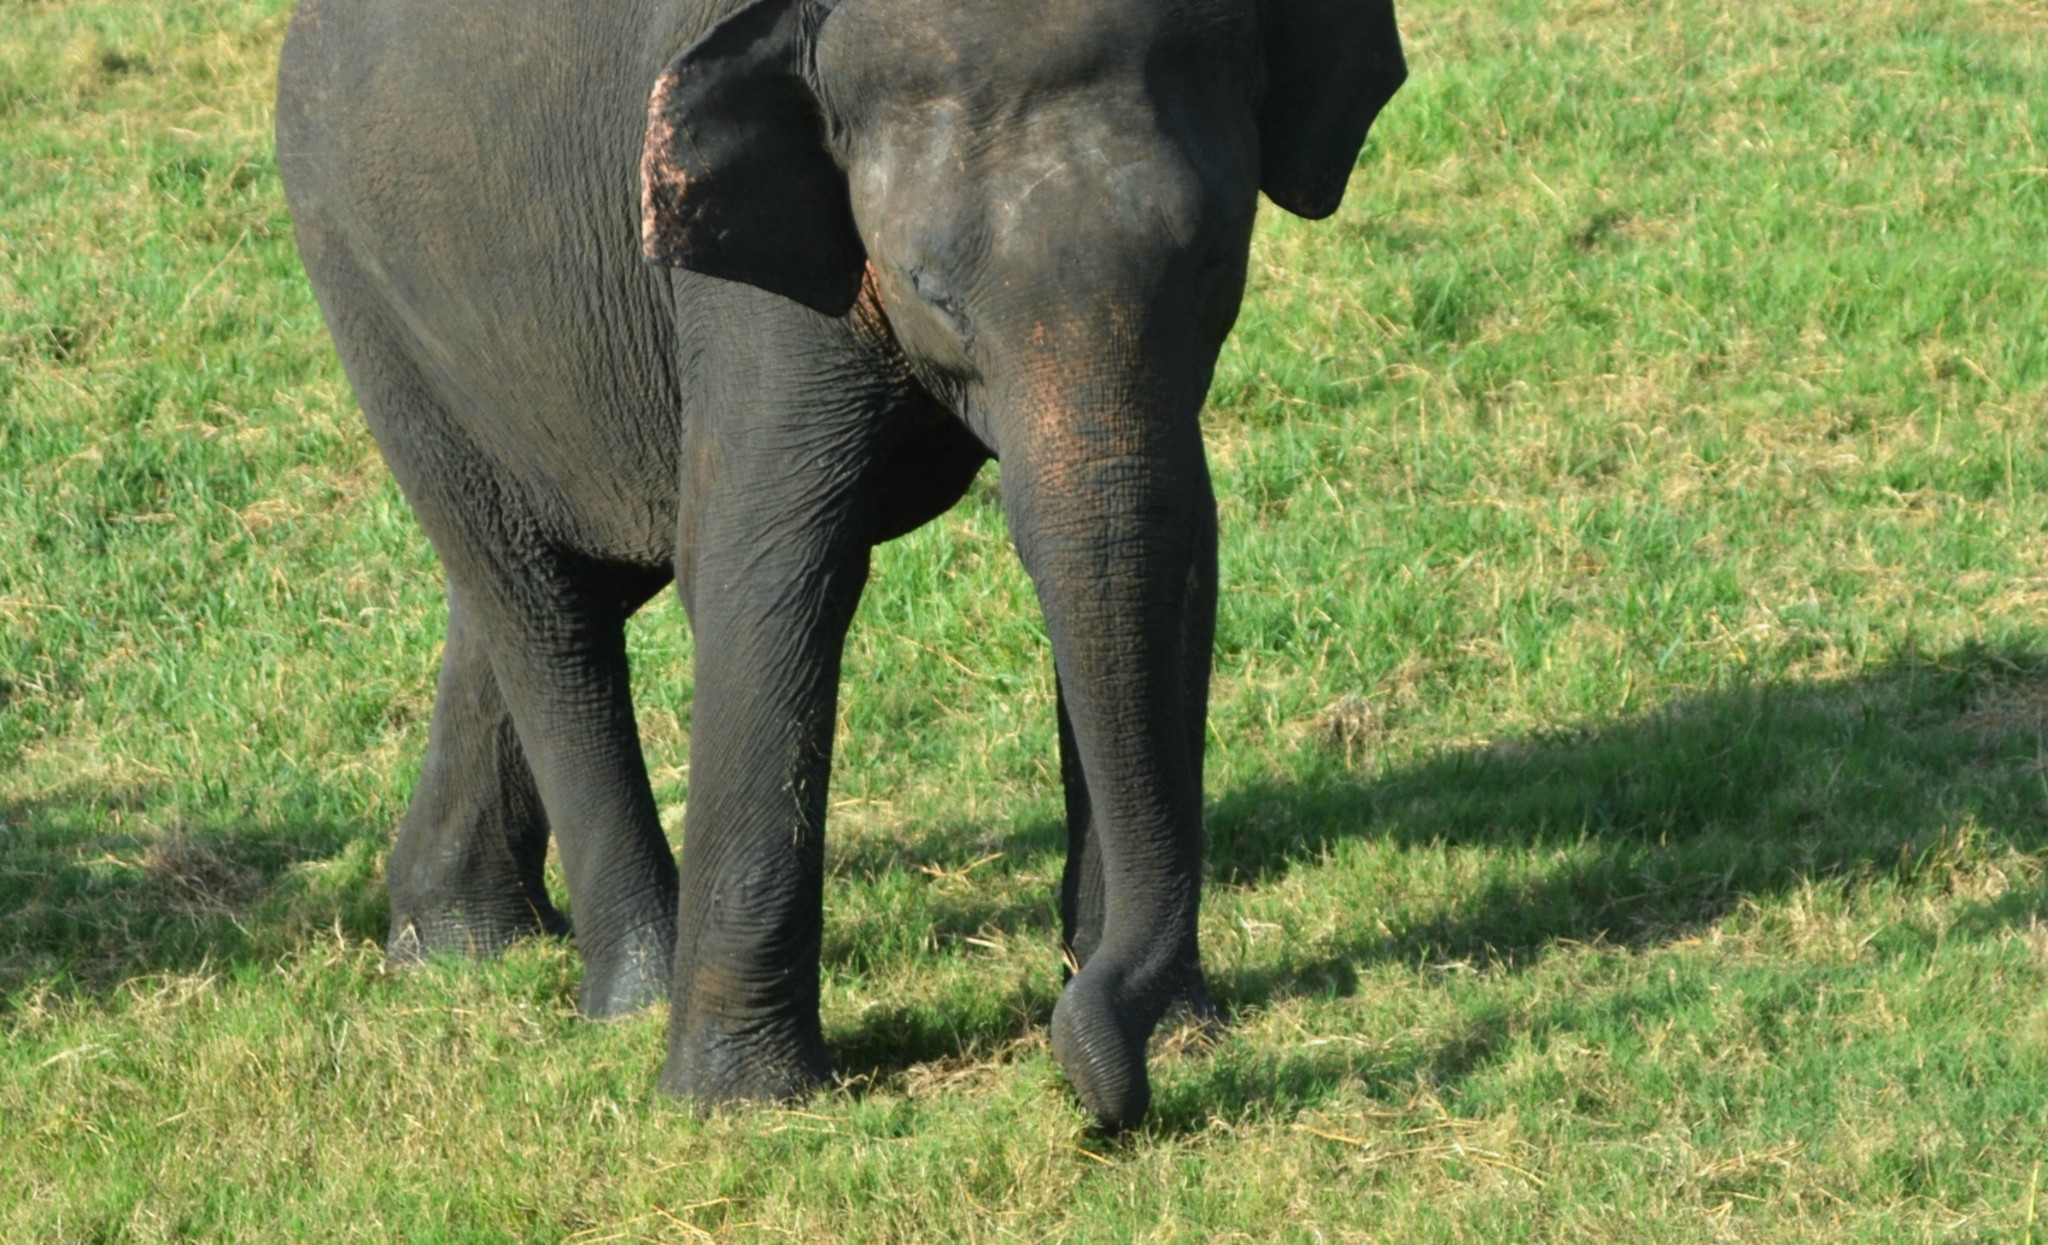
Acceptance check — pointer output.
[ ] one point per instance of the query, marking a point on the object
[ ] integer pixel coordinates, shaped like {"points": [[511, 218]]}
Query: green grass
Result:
{"points": [[1629, 764]]}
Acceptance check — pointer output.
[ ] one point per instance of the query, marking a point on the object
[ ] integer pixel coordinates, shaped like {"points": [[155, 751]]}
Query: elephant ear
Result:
{"points": [[735, 179], [1331, 65]]}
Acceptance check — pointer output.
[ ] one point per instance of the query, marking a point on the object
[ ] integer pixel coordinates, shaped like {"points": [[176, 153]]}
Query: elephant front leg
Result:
{"points": [[770, 603]]}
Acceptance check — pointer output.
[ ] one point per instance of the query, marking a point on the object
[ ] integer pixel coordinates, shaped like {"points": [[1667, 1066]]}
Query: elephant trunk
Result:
{"points": [[1112, 514]]}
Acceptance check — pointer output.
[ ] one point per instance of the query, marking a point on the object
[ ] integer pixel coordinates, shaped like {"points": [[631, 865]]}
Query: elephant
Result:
{"points": [[726, 293]]}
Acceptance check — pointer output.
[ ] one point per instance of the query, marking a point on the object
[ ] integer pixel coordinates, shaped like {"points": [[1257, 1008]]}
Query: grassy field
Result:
{"points": [[1628, 803]]}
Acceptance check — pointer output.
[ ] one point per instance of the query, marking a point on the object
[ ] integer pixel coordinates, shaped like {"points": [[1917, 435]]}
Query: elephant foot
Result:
{"points": [[628, 975], [715, 1065], [420, 934]]}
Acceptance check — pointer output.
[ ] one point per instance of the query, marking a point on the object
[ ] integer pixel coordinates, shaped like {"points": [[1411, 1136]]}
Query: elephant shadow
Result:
{"points": [[1663, 822], [1639, 830]]}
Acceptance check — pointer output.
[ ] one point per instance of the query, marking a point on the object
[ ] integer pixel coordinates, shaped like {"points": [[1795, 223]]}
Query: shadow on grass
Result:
{"points": [[86, 906], [1656, 825], [1249, 1084], [1635, 831], [887, 1042], [944, 890]]}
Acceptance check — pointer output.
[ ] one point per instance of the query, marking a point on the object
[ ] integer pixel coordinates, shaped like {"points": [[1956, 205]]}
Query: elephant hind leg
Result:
{"points": [[465, 873], [533, 730], [558, 648]]}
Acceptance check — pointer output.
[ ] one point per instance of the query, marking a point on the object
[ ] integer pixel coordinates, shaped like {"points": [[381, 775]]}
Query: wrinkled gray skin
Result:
{"points": [[891, 240]]}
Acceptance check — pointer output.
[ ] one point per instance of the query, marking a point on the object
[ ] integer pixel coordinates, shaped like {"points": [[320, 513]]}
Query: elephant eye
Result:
{"points": [[943, 303]]}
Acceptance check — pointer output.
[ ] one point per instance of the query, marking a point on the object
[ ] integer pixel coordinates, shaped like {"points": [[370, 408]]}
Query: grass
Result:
{"points": [[1628, 808]]}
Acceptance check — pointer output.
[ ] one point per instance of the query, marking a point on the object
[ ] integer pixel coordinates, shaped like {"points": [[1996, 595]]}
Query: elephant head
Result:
{"points": [[1052, 203]]}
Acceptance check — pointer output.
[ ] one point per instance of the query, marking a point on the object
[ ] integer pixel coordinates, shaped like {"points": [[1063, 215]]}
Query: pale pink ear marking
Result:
{"points": [[662, 181]]}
